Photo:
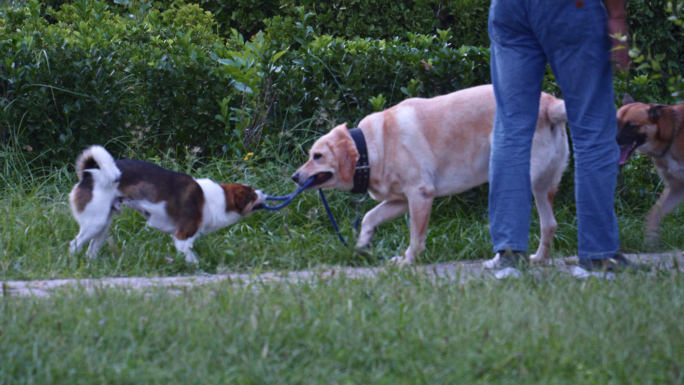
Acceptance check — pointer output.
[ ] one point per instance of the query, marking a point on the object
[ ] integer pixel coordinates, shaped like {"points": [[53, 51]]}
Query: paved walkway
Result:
{"points": [[461, 271]]}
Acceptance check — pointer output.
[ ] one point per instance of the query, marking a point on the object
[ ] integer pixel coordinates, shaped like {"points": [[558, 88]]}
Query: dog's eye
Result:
{"points": [[317, 156], [629, 127]]}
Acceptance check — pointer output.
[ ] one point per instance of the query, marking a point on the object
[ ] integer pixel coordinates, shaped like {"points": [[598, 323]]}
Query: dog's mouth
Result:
{"points": [[321, 178], [258, 206], [626, 151], [629, 139]]}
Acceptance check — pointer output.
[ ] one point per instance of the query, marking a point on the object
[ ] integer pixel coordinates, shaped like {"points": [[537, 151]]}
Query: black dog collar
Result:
{"points": [[362, 170]]}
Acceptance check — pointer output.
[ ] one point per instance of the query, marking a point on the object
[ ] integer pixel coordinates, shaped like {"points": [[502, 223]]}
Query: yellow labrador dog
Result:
{"points": [[421, 149]]}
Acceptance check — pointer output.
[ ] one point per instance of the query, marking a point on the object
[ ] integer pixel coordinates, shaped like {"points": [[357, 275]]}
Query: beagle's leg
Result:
{"points": [[99, 239], [380, 214], [89, 228], [186, 233], [420, 206], [185, 247]]}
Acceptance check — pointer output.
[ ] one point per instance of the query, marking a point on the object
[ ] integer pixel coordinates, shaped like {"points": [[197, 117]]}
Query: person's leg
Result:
{"points": [[577, 45], [517, 68]]}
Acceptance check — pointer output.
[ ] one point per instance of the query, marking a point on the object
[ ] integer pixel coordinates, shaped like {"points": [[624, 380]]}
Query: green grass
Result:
{"points": [[37, 225], [399, 328]]}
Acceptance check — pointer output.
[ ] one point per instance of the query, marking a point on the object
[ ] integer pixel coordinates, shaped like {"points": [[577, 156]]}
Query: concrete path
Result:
{"points": [[460, 271]]}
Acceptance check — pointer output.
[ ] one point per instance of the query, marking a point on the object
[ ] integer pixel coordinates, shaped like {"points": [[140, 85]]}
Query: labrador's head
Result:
{"points": [[332, 160]]}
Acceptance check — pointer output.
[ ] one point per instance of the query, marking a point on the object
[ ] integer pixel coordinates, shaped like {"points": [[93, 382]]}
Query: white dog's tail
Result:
{"points": [[100, 164], [556, 112]]}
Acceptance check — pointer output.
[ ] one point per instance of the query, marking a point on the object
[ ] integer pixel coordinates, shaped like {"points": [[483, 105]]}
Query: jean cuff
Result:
{"points": [[603, 255], [511, 247]]}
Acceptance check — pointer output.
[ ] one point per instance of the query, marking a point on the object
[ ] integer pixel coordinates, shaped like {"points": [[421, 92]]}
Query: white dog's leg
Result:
{"points": [[543, 199], [87, 230], [420, 206], [185, 247], [99, 239], [380, 214]]}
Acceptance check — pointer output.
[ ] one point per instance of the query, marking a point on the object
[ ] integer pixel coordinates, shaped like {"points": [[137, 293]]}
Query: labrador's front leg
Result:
{"points": [[380, 214]]}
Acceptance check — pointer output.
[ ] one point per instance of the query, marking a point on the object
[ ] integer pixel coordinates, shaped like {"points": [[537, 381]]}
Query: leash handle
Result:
{"points": [[332, 219], [280, 206], [287, 198], [277, 198]]}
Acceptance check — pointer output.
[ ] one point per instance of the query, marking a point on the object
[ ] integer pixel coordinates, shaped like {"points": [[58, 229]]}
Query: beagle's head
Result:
{"points": [[242, 199]]}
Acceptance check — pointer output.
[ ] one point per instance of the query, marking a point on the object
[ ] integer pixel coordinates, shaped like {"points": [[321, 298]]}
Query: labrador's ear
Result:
{"points": [[627, 99], [346, 155], [343, 125]]}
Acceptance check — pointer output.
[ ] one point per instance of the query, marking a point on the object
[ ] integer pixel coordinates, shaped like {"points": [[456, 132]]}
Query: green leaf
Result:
{"points": [[278, 55]]}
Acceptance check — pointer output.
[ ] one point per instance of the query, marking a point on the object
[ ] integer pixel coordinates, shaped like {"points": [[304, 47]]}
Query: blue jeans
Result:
{"points": [[571, 36]]}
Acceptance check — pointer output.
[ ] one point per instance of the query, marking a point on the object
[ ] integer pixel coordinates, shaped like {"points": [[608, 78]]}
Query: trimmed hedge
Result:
{"points": [[386, 19], [345, 80], [375, 19], [94, 77], [166, 78], [144, 78], [658, 27]]}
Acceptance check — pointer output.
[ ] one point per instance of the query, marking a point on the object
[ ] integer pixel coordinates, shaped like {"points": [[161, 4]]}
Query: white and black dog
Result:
{"points": [[172, 202]]}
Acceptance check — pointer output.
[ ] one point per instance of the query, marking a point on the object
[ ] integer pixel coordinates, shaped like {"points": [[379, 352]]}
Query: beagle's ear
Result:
{"points": [[346, 156], [627, 99], [238, 196], [244, 195]]}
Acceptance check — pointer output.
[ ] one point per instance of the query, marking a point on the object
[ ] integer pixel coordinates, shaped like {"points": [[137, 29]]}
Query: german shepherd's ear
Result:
{"points": [[627, 99], [664, 117], [655, 112]]}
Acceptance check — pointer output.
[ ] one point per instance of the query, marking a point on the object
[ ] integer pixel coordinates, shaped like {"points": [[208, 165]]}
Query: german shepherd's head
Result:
{"points": [[649, 128]]}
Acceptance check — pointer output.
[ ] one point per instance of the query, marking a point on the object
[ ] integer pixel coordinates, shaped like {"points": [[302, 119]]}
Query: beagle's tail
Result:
{"points": [[99, 163]]}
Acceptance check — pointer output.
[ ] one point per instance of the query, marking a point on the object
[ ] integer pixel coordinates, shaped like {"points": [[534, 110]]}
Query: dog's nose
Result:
{"points": [[295, 177]]}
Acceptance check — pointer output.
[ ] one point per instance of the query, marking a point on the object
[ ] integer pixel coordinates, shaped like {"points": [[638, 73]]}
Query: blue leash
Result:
{"points": [[288, 198], [332, 219]]}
